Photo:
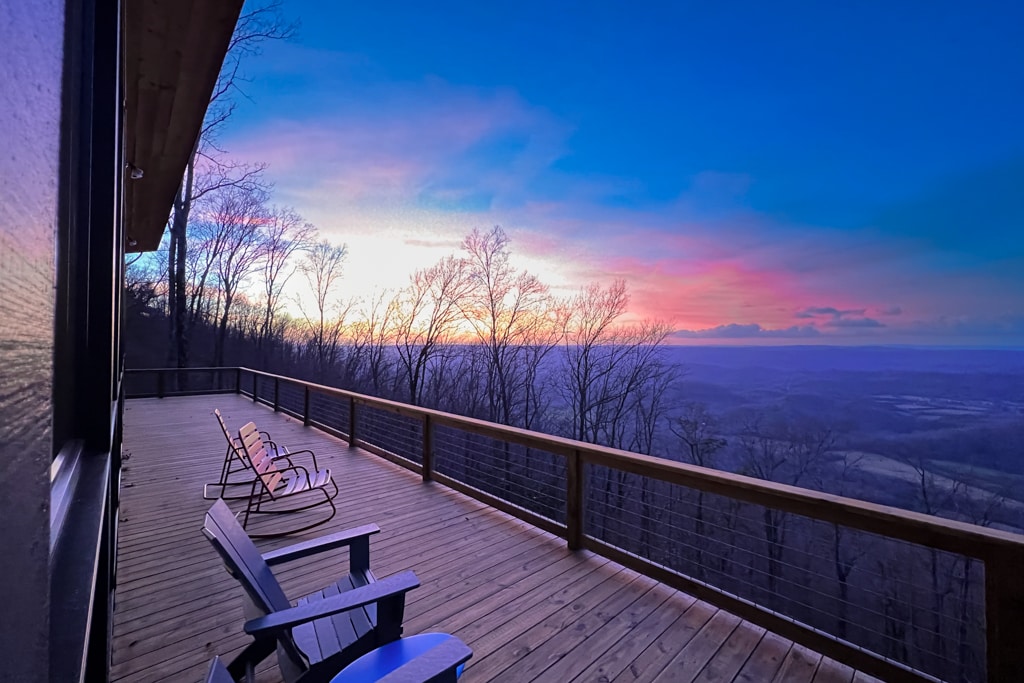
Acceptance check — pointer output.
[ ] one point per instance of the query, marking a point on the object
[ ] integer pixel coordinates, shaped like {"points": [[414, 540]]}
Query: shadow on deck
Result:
{"points": [[529, 608]]}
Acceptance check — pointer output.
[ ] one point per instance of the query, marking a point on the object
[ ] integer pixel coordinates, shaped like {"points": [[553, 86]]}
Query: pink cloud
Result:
{"points": [[712, 276]]}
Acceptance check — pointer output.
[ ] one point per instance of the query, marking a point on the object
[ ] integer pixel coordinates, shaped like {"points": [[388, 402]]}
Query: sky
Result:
{"points": [[781, 173]]}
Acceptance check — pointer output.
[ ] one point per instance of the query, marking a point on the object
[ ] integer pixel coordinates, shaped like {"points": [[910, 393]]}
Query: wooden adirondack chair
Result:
{"points": [[324, 631], [426, 658], [274, 484]]}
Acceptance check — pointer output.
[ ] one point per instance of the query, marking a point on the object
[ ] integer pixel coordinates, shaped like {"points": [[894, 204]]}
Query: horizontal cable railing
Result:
{"points": [[897, 594], [909, 603], [160, 382], [530, 479]]}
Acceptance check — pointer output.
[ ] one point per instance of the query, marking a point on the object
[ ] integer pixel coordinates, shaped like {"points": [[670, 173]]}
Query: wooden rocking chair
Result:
{"points": [[236, 462], [274, 484]]}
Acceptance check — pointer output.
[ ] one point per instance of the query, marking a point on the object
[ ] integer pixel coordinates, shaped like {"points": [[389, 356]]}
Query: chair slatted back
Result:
{"points": [[261, 460], [232, 441], [243, 559], [223, 427]]}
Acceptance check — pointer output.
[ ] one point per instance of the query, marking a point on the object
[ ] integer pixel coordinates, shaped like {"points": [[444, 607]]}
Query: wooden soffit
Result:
{"points": [[173, 53]]}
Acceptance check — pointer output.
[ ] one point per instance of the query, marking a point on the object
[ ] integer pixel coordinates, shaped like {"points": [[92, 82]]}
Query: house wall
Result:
{"points": [[31, 59]]}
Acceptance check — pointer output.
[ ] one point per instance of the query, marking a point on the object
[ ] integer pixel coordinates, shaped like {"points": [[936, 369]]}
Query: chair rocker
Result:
{"points": [[274, 484], [323, 632]]}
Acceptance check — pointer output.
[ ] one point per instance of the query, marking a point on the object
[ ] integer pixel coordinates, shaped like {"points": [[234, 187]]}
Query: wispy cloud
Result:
{"points": [[830, 316], [748, 331], [854, 323], [818, 311], [419, 144]]}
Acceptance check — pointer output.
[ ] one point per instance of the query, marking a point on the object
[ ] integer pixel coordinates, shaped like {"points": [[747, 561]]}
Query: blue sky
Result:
{"points": [[780, 172]]}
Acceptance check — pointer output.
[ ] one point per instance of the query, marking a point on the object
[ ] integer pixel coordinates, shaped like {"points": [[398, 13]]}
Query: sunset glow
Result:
{"points": [[858, 183]]}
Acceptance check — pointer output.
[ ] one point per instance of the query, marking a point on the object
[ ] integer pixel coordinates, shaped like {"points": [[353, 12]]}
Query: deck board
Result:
{"points": [[530, 609]]}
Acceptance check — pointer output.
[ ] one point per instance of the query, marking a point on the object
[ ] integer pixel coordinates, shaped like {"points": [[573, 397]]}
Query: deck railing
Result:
{"points": [[897, 594]]}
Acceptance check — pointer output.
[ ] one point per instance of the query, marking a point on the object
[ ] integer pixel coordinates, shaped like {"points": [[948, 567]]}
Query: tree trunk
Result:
{"points": [[222, 332], [177, 300]]}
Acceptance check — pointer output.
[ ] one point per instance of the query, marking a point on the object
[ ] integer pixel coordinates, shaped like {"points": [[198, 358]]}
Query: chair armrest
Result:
{"points": [[282, 458], [393, 586], [298, 469], [271, 446], [312, 455], [432, 664], [318, 545]]}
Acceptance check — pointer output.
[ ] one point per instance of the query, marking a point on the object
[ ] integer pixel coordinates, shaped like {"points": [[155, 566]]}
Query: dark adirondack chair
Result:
{"points": [[322, 632], [274, 487], [426, 658]]}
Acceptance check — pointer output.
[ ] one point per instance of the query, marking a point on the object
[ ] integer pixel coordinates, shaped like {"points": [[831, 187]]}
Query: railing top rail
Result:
{"points": [[188, 369], [914, 527]]}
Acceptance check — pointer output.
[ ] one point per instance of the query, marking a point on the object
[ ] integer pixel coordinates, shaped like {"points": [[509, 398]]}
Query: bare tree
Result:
{"points": [[238, 217], [613, 381], [935, 495], [285, 234], [629, 401], [698, 430], [427, 316], [323, 268], [510, 313], [846, 552], [610, 372], [200, 262], [783, 453], [981, 508], [142, 284], [586, 360], [370, 334]]}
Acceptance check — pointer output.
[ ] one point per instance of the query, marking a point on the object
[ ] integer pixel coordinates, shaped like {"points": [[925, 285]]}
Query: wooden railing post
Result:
{"points": [[255, 379], [160, 374], [305, 407], [277, 394], [574, 501], [428, 448], [1004, 614], [352, 421], [238, 380]]}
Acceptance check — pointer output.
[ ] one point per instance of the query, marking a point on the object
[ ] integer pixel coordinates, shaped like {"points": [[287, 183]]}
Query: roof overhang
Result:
{"points": [[174, 50]]}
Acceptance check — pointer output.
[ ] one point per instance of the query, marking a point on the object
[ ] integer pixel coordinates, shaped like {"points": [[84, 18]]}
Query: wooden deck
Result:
{"points": [[530, 609]]}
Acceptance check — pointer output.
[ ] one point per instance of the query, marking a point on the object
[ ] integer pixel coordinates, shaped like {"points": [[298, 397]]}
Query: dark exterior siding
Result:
{"points": [[31, 59]]}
